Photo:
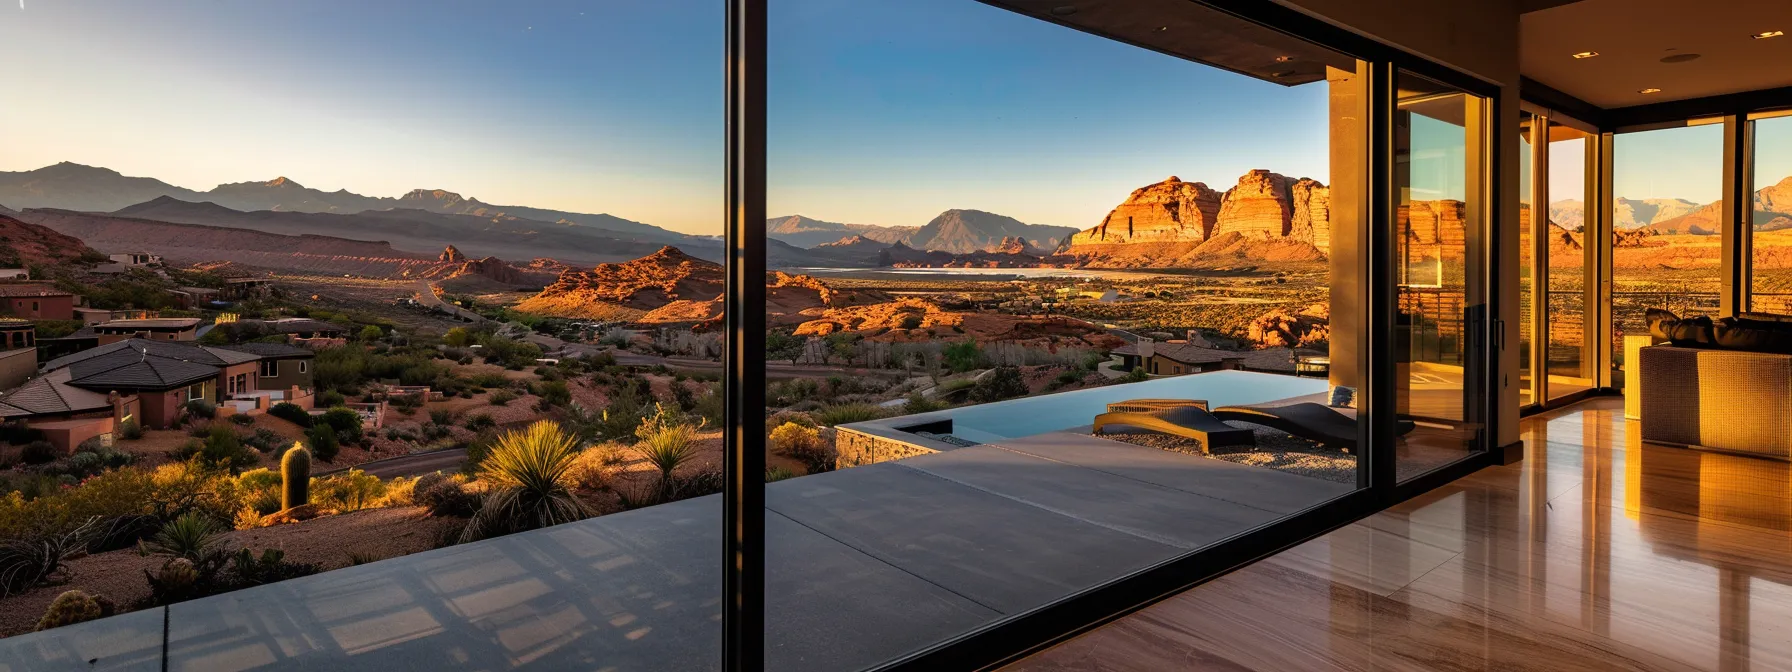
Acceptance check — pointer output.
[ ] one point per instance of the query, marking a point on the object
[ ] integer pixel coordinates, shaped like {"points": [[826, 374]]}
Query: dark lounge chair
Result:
{"points": [[1185, 421], [1314, 422]]}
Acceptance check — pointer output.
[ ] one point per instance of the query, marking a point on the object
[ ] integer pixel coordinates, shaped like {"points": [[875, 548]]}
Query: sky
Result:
{"points": [[881, 111]]}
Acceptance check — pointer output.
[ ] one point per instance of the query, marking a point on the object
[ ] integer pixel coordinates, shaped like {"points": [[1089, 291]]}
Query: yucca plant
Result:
{"points": [[191, 536], [529, 473], [667, 441]]}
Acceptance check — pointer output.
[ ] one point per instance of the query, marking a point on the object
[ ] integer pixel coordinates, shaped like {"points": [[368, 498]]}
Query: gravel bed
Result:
{"points": [[1275, 450]]}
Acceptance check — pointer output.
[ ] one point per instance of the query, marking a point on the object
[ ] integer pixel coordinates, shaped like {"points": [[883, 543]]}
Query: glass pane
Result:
{"points": [[1570, 352], [1527, 273], [1772, 215], [422, 243], [1029, 335], [1667, 188], [1438, 304]]}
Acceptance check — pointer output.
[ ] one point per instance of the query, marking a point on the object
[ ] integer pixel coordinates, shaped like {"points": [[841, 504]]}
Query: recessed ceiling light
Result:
{"points": [[1064, 10], [1680, 58], [1649, 90], [1770, 33], [1586, 54], [1284, 59]]}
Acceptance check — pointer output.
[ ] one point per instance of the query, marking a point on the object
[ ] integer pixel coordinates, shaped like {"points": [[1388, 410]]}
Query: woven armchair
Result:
{"points": [[1729, 400]]}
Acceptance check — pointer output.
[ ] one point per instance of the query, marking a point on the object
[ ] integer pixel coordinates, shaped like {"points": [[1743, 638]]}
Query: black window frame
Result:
{"points": [[743, 618]]}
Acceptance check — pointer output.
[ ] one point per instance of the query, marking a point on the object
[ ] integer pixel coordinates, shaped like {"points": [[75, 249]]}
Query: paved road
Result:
{"points": [[412, 465], [427, 296]]}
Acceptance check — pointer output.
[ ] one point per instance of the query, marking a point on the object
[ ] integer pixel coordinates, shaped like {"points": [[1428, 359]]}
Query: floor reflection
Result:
{"points": [[1597, 552]]}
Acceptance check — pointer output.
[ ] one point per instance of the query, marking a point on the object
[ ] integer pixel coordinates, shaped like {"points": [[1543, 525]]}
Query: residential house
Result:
{"points": [[281, 366], [155, 329], [163, 375], [37, 302], [91, 316], [15, 274], [191, 297], [136, 258], [236, 289]]}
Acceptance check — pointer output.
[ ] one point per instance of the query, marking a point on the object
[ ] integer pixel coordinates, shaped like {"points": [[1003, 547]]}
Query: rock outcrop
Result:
{"points": [[1265, 216], [452, 256], [626, 290]]}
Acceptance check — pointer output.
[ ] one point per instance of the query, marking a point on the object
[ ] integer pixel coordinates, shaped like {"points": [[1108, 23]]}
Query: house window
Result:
{"points": [[302, 365], [195, 391], [270, 367]]}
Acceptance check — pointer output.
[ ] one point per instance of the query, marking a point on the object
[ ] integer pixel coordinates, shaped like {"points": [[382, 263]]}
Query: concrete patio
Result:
{"points": [[866, 564]]}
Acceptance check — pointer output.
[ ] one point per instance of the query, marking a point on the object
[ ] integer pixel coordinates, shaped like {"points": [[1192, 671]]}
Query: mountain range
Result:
{"points": [[1772, 211], [955, 231], [72, 186]]}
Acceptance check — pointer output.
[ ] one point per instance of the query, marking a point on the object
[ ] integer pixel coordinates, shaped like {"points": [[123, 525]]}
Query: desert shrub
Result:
{"points": [[458, 337], [28, 561], [909, 321], [774, 474], [399, 492], [351, 491], [198, 428], [848, 413], [709, 405], [200, 408], [595, 467], [706, 482], [791, 438], [1136, 375], [490, 380], [220, 449], [919, 403], [91, 459], [371, 333], [38, 452], [963, 356], [346, 421], [264, 440], [259, 490], [130, 430], [242, 419], [330, 399], [501, 397], [1002, 383], [554, 393], [441, 416], [321, 439], [191, 536], [480, 421], [444, 495], [292, 413], [248, 569], [529, 472]]}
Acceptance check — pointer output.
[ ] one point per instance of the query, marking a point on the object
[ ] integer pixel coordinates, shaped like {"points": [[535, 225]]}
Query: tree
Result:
{"points": [[458, 337], [963, 356], [371, 333], [1002, 383], [780, 346]]}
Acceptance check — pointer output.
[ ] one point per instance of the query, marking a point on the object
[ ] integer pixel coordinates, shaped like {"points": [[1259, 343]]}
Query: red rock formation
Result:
{"points": [[1258, 207], [38, 245], [452, 256], [626, 290], [1266, 217], [1171, 211]]}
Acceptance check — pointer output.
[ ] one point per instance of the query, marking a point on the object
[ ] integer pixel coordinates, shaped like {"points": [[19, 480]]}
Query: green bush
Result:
{"points": [[479, 421], [963, 356], [330, 398], [242, 419], [200, 408], [1136, 375], [322, 440], [501, 397], [919, 403], [38, 452], [1002, 383], [222, 449], [554, 393], [346, 421], [351, 491], [130, 430], [444, 495], [292, 413]]}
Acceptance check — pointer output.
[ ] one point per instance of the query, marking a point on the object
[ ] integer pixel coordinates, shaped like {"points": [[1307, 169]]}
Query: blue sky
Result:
{"points": [[882, 111]]}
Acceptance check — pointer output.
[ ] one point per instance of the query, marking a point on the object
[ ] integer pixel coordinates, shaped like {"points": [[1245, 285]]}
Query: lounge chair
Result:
{"points": [[1185, 421], [1313, 422]]}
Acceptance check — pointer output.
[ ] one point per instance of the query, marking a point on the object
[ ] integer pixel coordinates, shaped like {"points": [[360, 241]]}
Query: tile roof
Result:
{"points": [[139, 348], [270, 350], [12, 291], [120, 370], [50, 394], [152, 323]]}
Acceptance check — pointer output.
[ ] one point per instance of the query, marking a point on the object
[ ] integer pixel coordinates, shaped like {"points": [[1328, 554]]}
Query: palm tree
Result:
{"points": [[529, 472]]}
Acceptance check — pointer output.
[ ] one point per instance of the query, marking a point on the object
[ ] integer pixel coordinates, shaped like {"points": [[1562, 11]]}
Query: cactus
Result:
{"points": [[69, 608], [295, 478]]}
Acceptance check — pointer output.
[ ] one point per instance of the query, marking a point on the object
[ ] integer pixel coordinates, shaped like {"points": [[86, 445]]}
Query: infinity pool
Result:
{"points": [[1016, 418]]}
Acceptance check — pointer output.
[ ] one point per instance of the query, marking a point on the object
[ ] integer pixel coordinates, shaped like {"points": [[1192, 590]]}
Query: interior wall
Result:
{"points": [[1479, 37]]}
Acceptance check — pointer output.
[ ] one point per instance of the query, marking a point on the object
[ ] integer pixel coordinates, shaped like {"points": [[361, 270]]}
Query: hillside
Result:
{"points": [[72, 186], [1772, 211], [415, 229], [628, 290], [955, 231], [807, 232], [23, 244]]}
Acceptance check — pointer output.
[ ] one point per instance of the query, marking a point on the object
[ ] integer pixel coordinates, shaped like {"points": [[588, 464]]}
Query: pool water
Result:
{"points": [[1066, 410]]}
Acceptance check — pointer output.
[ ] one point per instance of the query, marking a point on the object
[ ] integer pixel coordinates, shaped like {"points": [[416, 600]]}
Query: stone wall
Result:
{"points": [[857, 449]]}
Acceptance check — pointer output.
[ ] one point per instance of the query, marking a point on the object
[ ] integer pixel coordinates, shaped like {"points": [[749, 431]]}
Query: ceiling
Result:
{"points": [[1632, 36]]}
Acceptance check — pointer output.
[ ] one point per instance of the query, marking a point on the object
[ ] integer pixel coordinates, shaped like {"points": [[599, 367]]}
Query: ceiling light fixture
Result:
{"points": [[1586, 54], [1064, 10], [1770, 33], [1649, 90], [1679, 58]]}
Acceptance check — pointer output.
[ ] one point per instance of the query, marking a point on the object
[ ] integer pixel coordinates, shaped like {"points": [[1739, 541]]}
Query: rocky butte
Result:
{"points": [[1265, 216]]}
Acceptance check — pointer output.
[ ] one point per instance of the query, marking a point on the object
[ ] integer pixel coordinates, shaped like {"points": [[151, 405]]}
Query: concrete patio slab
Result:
{"points": [[1256, 487], [1003, 554], [637, 591], [1166, 515], [830, 607]]}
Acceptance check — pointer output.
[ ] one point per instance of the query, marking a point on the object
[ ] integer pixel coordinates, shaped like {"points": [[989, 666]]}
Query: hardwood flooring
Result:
{"points": [[1598, 552]]}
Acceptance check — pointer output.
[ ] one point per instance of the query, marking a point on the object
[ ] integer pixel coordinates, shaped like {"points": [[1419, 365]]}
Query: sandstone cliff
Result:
{"points": [[1265, 216]]}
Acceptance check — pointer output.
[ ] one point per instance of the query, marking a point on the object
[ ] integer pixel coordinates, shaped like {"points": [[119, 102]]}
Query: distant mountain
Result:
{"points": [[503, 236], [72, 186], [1772, 211], [23, 244], [1627, 213], [955, 231], [806, 232], [966, 231]]}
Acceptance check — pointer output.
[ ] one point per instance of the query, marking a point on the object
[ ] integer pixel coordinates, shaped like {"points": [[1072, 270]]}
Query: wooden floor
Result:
{"points": [[1596, 553]]}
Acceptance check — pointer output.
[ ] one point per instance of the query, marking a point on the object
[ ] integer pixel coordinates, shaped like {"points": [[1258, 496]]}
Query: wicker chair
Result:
{"points": [[1729, 400]]}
